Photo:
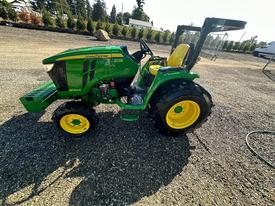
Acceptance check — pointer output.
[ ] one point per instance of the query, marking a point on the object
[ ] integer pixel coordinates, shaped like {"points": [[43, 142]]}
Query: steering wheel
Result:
{"points": [[144, 48]]}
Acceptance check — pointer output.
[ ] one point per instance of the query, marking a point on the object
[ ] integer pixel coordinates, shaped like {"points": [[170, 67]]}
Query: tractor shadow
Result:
{"points": [[120, 164]]}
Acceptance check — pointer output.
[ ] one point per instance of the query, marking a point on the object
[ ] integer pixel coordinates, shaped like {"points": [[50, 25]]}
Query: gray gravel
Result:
{"points": [[131, 163]]}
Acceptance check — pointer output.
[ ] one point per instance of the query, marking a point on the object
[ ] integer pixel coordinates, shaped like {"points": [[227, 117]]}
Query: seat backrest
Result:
{"points": [[178, 55]]}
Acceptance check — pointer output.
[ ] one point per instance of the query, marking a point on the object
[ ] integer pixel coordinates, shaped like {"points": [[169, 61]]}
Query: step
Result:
{"points": [[129, 117]]}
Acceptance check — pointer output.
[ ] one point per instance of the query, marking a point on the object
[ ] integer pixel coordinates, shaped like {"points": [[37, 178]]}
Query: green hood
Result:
{"points": [[86, 52]]}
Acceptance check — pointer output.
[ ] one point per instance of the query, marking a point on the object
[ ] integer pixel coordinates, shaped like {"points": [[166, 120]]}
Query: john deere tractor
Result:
{"points": [[111, 75]]}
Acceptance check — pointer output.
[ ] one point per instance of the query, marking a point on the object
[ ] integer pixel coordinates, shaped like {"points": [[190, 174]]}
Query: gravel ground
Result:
{"points": [[131, 163]]}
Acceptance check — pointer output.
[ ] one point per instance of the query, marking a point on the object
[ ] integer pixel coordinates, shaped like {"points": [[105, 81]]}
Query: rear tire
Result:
{"points": [[75, 120], [181, 106]]}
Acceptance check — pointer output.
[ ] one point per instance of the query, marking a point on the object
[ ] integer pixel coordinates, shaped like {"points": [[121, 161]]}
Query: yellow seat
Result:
{"points": [[177, 57], [175, 60]]}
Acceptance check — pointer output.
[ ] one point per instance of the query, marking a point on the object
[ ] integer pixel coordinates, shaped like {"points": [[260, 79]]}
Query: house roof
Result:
{"points": [[141, 23]]}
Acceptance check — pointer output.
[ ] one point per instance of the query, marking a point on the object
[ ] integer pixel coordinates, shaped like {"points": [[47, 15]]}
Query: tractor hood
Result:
{"points": [[86, 52]]}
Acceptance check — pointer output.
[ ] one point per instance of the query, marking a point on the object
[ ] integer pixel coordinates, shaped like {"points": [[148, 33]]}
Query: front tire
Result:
{"points": [[181, 107], [75, 120]]}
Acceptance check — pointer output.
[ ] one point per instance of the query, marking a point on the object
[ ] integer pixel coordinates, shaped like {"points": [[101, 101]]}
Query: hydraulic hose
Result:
{"points": [[269, 163]]}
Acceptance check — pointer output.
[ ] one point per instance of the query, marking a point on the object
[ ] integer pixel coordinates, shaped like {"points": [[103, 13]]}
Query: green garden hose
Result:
{"points": [[269, 163]]}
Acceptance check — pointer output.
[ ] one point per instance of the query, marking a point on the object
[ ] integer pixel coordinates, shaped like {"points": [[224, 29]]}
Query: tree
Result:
{"points": [[139, 14], [116, 30], [59, 7], [172, 38], [108, 28], [230, 45], [140, 33], [7, 11], [12, 14], [158, 37], [165, 36], [119, 18], [47, 19], [133, 33], [81, 8], [124, 31], [60, 21], [243, 45], [72, 5], [261, 44], [236, 46], [140, 3], [149, 35], [80, 24], [70, 22], [39, 5], [99, 25], [89, 9], [126, 17], [113, 15], [4, 13], [99, 11], [90, 26], [225, 44]]}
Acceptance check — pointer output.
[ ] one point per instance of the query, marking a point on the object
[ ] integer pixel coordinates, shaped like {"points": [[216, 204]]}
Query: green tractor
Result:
{"points": [[110, 75]]}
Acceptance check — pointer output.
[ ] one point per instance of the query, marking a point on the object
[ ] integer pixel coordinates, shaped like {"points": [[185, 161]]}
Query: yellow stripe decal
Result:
{"points": [[87, 56]]}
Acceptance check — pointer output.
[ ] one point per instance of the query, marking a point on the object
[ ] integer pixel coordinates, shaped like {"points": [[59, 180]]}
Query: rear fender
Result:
{"points": [[166, 75]]}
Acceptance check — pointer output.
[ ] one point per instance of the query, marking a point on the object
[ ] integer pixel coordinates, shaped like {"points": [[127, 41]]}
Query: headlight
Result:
{"points": [[48, 67]]}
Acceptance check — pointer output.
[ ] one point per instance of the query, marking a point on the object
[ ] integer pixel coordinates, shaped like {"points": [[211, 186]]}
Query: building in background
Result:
{"points": [[140, 24]]}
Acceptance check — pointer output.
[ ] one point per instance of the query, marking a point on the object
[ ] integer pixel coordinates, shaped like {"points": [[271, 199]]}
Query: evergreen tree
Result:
{"points": [[126, 17], [158, 37], [140, 3], [72, 5], [60, 21], [108, 28], [124, 31], [99, 11], [89, 9], [119, 18], [171, 38], [70, 22], [90, 26], [99, 25], [225, 44], [39, 5], [80, 24], [230, 45], [139, 14], [133, 33], [113, 15], [81, 8], [4, 12], [60, 7], [149, 35], [236, 46], [165, 36], [116, 30], [47, 19], [140, 33]]}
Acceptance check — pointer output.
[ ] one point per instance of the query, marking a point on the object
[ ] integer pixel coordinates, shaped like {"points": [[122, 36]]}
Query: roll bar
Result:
{"points": [[210, 25]]}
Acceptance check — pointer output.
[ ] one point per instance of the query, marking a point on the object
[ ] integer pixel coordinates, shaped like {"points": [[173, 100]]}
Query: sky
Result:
{"points": [[259, 15]]}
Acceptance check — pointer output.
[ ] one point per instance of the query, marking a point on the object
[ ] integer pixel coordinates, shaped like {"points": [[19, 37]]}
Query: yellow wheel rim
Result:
{"points": [[183, 114], [74, 123]]}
